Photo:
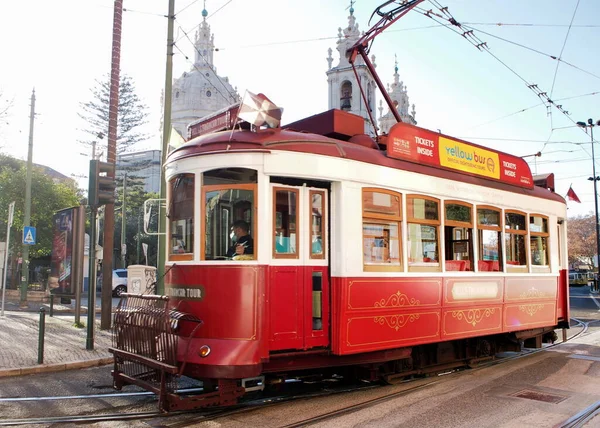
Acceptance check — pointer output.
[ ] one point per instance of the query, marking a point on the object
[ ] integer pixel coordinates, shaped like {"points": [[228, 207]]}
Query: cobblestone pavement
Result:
{"points": [[64, 344]]}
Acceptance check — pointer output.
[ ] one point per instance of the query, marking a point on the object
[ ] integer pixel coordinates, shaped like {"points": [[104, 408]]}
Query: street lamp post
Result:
{"points": [[590, 124]]}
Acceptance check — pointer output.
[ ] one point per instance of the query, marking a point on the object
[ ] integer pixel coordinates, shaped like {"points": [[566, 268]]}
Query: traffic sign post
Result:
{"points": [[29, 235]]}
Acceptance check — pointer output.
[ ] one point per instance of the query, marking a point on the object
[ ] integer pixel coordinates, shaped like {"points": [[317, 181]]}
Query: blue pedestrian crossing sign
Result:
{"points": [[29, 235]]}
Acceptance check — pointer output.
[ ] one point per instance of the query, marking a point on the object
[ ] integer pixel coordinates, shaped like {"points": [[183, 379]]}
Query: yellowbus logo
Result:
{"points": [[467, 158]]}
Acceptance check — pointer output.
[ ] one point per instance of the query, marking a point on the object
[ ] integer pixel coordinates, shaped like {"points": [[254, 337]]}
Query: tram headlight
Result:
{"points": [[204, 351]]}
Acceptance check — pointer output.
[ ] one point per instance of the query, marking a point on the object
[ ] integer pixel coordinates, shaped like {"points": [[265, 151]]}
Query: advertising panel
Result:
{"points": [[61, 281], [408, 142]]}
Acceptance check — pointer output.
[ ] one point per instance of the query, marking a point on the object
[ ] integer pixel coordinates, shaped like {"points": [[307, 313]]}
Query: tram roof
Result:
{"points": [[360, 148]]}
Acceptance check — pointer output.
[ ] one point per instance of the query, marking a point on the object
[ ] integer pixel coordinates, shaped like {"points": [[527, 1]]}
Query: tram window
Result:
{"points": [[317, 224], [229, 222], [381, 244], [229, 196], [423, 242], [538, 240], [382, 218], [181, 217], [489, 239], [458, 236], [285, 206], [514, 240]]}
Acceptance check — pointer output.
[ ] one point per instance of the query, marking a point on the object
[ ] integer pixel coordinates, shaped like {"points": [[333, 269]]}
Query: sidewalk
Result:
{"points": [[64, 344]]}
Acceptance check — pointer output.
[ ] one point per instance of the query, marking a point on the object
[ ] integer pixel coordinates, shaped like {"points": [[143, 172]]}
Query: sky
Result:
{"points": [[279, 48]]}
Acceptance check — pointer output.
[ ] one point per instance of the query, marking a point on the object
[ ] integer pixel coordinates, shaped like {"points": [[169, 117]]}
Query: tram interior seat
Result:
{"points": [[488, 265], [456, 265]]}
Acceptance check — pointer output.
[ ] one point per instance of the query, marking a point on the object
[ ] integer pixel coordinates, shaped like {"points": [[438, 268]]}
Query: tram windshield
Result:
{"points": [[229, 227], [181, 216]]}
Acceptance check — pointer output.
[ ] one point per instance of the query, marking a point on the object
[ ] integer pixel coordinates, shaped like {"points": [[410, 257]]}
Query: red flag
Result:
{"points": [[259, 110], [571, 196]]}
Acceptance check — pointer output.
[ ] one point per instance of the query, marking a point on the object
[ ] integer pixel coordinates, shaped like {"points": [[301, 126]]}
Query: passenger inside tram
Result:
{"points": [[243, 244]]}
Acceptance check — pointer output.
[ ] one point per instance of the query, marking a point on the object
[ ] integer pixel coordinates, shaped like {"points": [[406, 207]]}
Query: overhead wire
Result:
{"points": [[208, 17], [234, 97], [559, 59], [560, 55], [185, 7], [470, 36], [504, 24], [534, 106]]}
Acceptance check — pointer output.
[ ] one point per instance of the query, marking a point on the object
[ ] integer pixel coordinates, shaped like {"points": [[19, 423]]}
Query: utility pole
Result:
{"points": [[162, 218], [111, 156], [123, 225], [590, 124], [27, 218]]}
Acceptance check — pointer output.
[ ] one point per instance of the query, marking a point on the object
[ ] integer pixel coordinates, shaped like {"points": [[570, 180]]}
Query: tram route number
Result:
{"points": [[185, 292]]}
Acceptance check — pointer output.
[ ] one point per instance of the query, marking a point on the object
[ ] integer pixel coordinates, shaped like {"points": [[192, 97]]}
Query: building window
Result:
{"points": [[423, 223], [208, 94], [382, 219], [538, 240], [346, 96], [181, 217], [458, 236], [515, 234], [489, 230]]}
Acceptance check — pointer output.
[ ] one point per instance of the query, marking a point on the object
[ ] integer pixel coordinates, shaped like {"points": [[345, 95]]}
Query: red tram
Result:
{"points": [[379, 260]]}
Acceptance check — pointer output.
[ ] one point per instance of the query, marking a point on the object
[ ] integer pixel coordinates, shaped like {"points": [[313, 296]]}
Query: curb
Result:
{"points": [[49, 368]]}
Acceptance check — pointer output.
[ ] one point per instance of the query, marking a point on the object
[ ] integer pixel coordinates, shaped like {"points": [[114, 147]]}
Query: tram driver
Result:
{"points": [[243, 244]]}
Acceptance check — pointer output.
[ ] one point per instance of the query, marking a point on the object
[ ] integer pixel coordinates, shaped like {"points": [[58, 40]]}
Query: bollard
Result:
{"points": [[51, 304], [41, 336]]}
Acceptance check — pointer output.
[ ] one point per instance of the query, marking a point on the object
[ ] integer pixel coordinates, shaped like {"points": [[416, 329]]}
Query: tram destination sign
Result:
{"points": [[218, 121], [414, 144]]}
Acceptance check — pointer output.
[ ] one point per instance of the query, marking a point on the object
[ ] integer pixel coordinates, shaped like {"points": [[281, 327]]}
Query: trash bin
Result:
{"points": [[141, 279]]}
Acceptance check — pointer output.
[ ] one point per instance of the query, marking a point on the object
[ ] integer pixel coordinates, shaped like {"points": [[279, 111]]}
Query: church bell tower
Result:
{"points": [[343, 89]]}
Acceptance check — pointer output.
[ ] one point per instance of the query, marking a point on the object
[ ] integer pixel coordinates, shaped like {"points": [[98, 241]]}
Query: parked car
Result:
{"points": [[119, 282]]}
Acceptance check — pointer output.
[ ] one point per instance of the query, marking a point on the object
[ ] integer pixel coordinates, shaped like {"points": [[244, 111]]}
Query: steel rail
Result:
{"points": [[359, 406], [84, 397], [80, 418], [583, 417], [263, 402]]}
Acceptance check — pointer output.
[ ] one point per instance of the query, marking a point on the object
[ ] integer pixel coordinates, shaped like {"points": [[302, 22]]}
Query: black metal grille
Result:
{"points": [[144, 330]]}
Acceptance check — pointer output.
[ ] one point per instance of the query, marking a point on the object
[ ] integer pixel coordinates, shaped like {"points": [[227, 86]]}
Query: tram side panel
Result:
{"points": [[530, 302], [230, 300], [371, 314], [472, 306]]}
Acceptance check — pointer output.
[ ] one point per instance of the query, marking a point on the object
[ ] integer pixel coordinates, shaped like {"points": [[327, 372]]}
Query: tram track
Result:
{"points": [[261, 403], [576, 421], [580, 419]]}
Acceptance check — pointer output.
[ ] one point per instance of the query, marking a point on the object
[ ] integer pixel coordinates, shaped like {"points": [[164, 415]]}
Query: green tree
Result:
{"points": [[47, 197], [581, 236], [132, 114]]}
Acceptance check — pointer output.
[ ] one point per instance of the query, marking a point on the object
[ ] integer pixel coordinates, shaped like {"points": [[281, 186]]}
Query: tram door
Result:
{"points": [[299, 276]]}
